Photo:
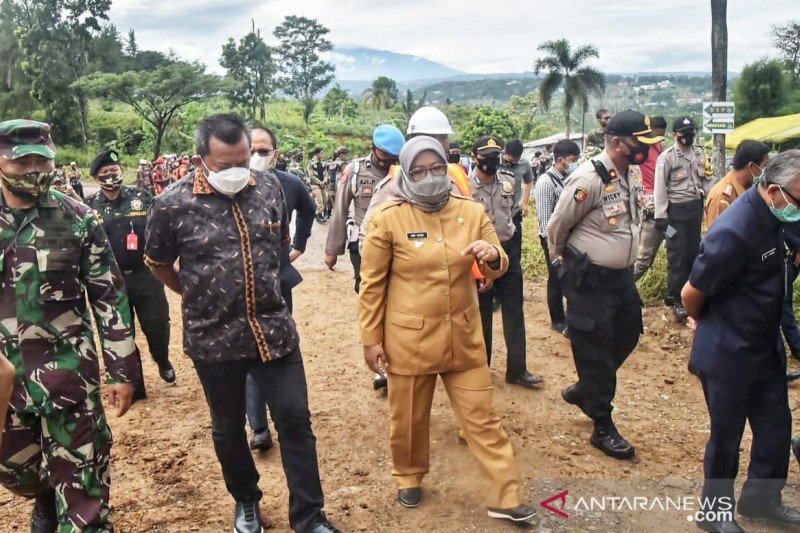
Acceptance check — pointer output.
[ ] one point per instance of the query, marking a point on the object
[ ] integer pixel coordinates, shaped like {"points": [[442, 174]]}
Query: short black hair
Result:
{"points": [[537, 153], [564, 148], [658, 122], [270, 133], [454, 146], [749, 151], [600, 112], [316, 150], [227, 127], [514, 148]]}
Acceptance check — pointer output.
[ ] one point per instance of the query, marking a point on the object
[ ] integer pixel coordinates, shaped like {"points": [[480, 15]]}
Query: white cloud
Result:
{"points": [[460, 34]]}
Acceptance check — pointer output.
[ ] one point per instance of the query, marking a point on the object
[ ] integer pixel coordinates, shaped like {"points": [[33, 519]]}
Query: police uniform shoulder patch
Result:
{"points": [[580, 194]]}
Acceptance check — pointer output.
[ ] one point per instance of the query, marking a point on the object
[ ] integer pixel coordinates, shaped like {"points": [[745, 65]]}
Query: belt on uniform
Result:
{"points": [[597, 270]]}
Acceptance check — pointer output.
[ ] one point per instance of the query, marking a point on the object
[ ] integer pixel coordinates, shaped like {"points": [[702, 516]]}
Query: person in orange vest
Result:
{"points": [[429, 121]]}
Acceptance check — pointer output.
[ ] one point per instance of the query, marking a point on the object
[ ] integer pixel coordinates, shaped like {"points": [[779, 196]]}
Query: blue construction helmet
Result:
{"points": [[388, 139]]}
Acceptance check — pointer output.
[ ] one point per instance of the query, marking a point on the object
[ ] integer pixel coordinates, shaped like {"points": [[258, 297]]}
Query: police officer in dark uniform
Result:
{"points": [[122, 211], [593, 237], [735, 294]]}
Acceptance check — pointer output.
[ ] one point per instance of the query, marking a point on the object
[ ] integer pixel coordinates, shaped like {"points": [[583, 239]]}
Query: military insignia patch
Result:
{"points": [[136, 204], [613, 174], [581, 194]]}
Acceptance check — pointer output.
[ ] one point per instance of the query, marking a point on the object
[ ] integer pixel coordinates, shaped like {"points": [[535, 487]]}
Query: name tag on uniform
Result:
{"points": [[417, 235], [766, 255]]}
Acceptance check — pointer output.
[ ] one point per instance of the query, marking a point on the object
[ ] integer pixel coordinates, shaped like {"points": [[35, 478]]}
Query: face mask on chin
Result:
{"points": [[29, 187], [229, 181]]}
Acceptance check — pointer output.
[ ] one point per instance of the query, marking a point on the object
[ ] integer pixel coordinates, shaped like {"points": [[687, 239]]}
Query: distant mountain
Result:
{"points": [[366, 64]]}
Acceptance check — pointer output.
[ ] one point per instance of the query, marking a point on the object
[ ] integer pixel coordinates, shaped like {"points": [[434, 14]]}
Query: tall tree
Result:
{"points": [[568, 70], [251, 65], [719, 74], [786, 38], [155, 96], [382, 94], [337, 103], [305, 74], [15, 86], [760, 91], [56, 36], [410, 106]]}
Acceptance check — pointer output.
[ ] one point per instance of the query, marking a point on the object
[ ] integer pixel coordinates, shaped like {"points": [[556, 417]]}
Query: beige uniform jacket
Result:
{"points": [[356, 188], [498, 199], [719, 199], [598, 219], [417, 294], [679, 178]]}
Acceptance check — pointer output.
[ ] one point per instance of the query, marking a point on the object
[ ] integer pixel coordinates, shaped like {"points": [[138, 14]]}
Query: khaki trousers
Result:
{"points": [[470, 394]]}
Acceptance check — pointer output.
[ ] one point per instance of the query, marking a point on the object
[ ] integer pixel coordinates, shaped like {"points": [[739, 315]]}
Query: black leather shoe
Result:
{"points": [[261, 441], [680, 313], [379, 382], [44, 518], [322, 525], [526, 379], [410, 497], [796, 448], [792, 375], [608, 440], [782, 515], [726, 526], [247, 518], [519, 513], [167, 373], [571, 395], [559, 327]]}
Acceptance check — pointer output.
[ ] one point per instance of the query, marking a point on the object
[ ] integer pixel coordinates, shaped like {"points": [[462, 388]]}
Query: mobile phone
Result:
{"points": [[670, 232]]}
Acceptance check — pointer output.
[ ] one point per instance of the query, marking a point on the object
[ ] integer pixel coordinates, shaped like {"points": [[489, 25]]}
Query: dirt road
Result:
{"points": [[166, 477]]}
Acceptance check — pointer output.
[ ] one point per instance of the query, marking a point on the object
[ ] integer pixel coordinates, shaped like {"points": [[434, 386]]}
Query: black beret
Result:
{"points": [[103, 159]]}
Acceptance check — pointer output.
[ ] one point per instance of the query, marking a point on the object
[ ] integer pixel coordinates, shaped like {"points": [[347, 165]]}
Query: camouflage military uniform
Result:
{"points": [[56, 431], [144, 178]]}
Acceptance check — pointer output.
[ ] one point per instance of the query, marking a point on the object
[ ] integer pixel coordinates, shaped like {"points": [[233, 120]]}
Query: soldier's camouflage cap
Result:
{"points": [[21, 137]]}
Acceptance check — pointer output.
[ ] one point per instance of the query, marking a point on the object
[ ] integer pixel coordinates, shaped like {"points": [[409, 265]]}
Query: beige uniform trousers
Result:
{"points": [[470, 393]]}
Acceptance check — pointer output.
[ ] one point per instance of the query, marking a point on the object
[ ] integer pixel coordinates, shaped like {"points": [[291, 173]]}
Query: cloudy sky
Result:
{"points": [[468, 35]]}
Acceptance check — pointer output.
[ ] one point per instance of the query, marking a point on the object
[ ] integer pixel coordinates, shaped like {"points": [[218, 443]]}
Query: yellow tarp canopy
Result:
{"points": [[772, 130]]}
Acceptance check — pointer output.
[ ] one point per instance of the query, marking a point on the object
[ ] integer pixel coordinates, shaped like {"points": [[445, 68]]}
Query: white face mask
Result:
{"points": [[260, 162], [229, 181]]}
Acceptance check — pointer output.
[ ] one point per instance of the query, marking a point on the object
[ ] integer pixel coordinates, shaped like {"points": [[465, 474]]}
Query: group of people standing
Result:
{"points": [[432, 244]]}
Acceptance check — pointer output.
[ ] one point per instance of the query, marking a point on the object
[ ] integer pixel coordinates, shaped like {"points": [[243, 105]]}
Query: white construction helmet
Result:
{"points": [[429, 120]]}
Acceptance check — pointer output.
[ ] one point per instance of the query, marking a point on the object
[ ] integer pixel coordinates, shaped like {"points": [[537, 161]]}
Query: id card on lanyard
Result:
{"points": [[132, 242]]}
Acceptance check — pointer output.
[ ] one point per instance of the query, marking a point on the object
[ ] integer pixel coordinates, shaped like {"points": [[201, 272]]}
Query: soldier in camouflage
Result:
{"points": [[54, 252], [122, 210]]}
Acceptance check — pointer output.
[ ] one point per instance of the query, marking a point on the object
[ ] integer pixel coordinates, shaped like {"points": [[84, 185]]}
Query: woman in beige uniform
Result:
{"points": [[419, 318]]}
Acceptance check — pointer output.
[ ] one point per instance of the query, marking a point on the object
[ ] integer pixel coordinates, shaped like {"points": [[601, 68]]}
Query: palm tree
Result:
{"points": [[568, 70], [382, 95]]}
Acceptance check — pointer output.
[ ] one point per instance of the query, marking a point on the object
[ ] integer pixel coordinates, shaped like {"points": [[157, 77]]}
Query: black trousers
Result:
{"points": [[148, 301], [355, 259], [555, 296], [764, 403], [683, 247], [605, 321], [507, 289], [282, 383]]}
